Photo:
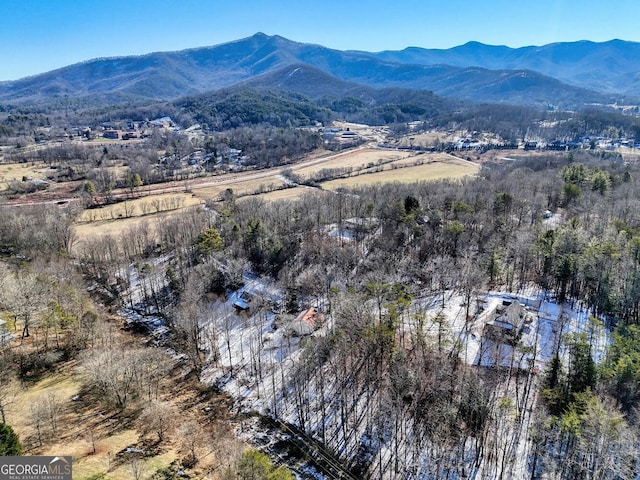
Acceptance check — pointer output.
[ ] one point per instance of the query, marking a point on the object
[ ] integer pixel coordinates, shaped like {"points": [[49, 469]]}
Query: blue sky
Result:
{"points": [[41, 35]]}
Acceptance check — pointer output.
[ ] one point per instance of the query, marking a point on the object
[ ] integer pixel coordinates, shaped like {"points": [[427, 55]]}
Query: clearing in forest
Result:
{"points": [[355, 160], [120, 228], [288, 194]]}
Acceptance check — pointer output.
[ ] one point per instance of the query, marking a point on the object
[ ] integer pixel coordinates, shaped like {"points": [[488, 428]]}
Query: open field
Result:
{"points": [[142, 206], [425, 158], [116, 219], [454, 168], [374, 165], [115, 228], [239, 187], [361, 159], [16, 171], [355, 160], [427, 139], [288, 194], [412, 161]]}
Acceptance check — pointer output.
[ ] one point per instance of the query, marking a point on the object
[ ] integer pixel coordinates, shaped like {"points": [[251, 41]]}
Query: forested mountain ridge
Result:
{"points": [[168, 75], [611, 66], [303, 95]]}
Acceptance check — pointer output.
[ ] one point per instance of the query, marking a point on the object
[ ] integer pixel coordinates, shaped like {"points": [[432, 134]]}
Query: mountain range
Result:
{"points": [[609, 67], [557, 76]]}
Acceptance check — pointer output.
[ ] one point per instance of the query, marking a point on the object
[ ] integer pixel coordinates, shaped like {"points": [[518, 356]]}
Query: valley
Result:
{"points": [[271, 260]]}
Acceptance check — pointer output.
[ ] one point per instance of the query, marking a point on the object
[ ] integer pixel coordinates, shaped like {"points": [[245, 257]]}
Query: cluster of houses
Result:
{"points": [[305, 323], [108, 130], [136, 129], [585, 143]]}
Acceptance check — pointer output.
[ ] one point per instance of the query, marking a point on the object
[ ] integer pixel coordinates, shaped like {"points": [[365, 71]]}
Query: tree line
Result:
{"points": [[566, 224], [400, 400]]}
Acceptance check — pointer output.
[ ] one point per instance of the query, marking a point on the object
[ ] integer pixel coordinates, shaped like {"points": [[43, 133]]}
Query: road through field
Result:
{"points": [[192, 184], [198, 183]]}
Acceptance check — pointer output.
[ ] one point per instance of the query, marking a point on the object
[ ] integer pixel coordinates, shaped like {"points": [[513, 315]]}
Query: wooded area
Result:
{"points": [[387, 397], [326, 314]]}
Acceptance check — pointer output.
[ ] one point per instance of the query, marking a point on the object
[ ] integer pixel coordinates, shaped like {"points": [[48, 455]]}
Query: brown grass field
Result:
{"points": [[112, 219], [355, 160], [138, 207], [397, 166], [287, 194], [453, 168], [424, 139], [241, 187], [16, 171], [115, 228]]}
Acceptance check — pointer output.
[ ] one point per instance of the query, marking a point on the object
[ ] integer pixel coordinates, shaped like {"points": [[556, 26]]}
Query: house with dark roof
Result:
{"points": [[241, 300], [113, 134], [507, 322]]}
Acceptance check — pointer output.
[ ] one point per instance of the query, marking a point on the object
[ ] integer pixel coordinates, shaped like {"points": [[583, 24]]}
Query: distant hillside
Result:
{"points": [[318, 85], [309, 81], [234, 107], [608, 67], [169, 75], [303, 95]]}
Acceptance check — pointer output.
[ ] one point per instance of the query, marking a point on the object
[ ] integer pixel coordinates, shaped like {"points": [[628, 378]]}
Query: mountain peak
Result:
{"points": [[167, 75], [474, 43]]}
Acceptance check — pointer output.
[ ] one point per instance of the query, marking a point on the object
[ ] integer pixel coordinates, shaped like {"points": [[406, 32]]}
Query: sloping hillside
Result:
{"points": [[169, 75]]}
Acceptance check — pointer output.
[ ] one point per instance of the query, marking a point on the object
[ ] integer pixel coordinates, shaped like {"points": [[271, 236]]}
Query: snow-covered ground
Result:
{"points": [[540, 338], [253, 356], [254, 353], [5, 335], [257, 356]]}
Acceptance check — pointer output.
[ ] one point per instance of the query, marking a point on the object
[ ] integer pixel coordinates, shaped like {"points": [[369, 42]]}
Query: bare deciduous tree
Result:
{"points": [[159, 418]]}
